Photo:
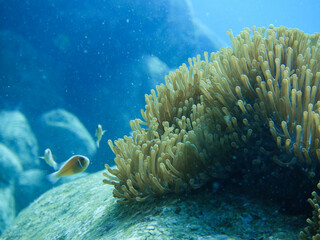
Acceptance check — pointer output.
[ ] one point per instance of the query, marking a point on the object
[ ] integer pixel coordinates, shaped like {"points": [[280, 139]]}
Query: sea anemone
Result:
{"points": [[313, 230], [261, 93]]}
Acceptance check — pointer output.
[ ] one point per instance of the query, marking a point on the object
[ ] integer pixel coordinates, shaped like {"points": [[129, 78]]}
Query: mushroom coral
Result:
{"points": [[263, 93]]}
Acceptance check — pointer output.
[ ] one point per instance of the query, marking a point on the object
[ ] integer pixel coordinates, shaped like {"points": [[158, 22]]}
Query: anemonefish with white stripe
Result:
{"points": [[99, 134], [48, 157], [75, 164]]}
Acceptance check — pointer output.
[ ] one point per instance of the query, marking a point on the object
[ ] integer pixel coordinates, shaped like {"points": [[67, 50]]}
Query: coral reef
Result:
{"points": [[259, 94]]}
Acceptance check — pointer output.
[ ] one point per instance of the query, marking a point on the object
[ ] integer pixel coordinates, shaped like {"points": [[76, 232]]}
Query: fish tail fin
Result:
{"points": [[98, 144], [53, 177]]}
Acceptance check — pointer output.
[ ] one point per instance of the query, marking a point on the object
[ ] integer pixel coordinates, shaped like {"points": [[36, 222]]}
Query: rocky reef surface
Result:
{"points": [[85, 209]]}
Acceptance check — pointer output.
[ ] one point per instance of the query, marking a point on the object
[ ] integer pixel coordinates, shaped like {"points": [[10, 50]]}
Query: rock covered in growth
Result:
{"points": [[86, 209], [65, 135], [17, 135]]}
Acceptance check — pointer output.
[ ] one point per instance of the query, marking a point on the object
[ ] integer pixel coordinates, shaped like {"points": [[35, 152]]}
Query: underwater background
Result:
{"points": [[67, 66]]}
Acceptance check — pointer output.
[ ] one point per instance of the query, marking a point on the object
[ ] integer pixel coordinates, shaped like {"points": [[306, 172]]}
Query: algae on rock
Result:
{"points": [[86, 209]]}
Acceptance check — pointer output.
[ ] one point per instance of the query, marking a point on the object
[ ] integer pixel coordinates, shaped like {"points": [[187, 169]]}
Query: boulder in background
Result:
{"points": [[18, 136], [10, 166], [65, 135]]}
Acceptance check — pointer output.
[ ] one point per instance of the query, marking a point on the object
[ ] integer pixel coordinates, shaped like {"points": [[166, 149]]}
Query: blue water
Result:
{"points": [[92, 58], [221, 16], [97, 59]]}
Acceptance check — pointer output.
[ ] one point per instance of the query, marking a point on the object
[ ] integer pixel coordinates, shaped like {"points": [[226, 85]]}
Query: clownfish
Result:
{"points": [[75, 164], [99, 134], [49, 159]]}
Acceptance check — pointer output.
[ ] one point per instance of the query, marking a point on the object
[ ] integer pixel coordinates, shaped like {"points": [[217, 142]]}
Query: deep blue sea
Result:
{"points": [[67, 66]]}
